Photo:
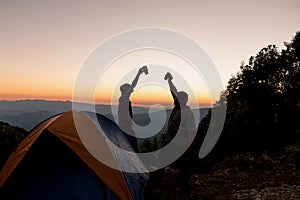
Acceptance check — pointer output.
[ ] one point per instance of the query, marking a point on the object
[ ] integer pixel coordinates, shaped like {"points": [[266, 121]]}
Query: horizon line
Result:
{"points": [[138, 104]]}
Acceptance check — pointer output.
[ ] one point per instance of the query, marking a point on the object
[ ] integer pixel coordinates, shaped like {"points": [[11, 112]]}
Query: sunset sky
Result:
{"points": [[43, 44]]}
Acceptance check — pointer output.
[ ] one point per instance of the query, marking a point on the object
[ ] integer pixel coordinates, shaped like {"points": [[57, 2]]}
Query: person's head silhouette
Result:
{"points": [[126, 88], [182, 97]]}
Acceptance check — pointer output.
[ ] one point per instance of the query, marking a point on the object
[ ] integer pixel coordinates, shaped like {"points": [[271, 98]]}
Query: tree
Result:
{"points": [[263, 98], [262, 101]]}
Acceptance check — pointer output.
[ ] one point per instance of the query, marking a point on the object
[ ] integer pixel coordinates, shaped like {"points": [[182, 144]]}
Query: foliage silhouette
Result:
{"points": [[263, 104], [10, 137]]}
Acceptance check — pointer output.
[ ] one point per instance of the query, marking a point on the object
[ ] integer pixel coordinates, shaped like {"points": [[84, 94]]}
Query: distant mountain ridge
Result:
{"points": [[53, 107], [28, 113]]}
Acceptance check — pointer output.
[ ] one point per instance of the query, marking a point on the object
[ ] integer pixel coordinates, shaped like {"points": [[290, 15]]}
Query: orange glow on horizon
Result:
{"points": [[146, 101]]}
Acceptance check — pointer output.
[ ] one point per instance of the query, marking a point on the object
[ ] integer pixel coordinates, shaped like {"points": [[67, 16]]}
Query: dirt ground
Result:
{"points": [[228, 184]]}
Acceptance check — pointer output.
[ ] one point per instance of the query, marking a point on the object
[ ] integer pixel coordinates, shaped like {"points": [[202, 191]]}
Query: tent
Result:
{"points": [[53, 163]]}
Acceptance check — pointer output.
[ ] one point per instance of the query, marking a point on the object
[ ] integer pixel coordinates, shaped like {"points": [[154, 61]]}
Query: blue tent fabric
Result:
{"points": [[117, 138]]}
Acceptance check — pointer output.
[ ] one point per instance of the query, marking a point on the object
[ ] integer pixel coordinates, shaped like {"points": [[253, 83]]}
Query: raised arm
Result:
{"points": [[172, 86], [135, 80], [173, 89]]}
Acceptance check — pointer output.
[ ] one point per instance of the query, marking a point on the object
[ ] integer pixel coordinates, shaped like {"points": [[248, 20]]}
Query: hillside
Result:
{"points": [[10, 136]]}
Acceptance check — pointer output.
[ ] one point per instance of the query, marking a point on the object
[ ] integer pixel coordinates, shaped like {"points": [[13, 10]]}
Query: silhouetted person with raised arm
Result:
{"points": [[125, 109], [181, 115], [181, 120]]}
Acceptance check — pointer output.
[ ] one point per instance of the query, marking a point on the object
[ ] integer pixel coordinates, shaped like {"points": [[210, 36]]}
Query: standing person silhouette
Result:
{"points": [[125, 109], [181, 120], [181, 115]]}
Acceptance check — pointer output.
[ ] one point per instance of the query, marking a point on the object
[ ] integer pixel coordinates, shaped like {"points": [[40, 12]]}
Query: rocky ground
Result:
{"points": [[230, 184], [284, 191]]}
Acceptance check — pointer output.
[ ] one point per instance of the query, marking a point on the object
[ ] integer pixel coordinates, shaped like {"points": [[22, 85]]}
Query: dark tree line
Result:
{"points": [[263, 104]]}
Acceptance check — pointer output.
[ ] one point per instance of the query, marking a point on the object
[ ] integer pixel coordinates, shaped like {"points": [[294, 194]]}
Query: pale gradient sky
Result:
{"points": [[43, 43]]}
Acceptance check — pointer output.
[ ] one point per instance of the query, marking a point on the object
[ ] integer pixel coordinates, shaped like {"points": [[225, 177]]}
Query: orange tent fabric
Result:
{"points": [[63, 127]]}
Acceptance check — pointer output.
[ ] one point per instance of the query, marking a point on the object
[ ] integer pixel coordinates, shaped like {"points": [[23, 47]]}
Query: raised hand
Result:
{"points": [[168, 76], [145, 69], [141, 70]]}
